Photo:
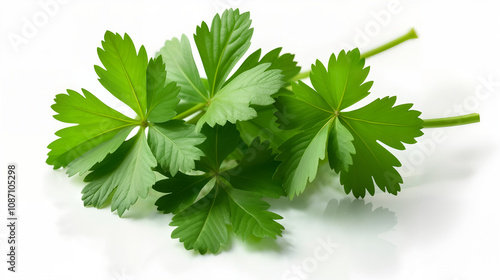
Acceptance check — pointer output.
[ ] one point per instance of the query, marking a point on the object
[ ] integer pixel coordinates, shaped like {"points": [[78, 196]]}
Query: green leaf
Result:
{"points": [[265, 127], [183, 191], [305, 109], [96, 124], [342, 85], [300, 156], [221, 141], [85, 162], [340, 147], [284, 62], [255, 170], [123, 169], [379, 121], [232, 103], [162, 96], [249, 216], [220, 48], [222, 45], [353, 138], [205, 205], [181, 68], [128, 172], [203, 226], [174, 145], [124, 75]]}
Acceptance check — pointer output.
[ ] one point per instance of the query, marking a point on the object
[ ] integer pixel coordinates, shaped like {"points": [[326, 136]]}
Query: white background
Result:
{"points": [[445, 224]]}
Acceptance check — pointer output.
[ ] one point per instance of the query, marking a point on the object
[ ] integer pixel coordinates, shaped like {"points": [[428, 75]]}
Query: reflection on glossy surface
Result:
{"points": [[343, 240], [357, 226]]}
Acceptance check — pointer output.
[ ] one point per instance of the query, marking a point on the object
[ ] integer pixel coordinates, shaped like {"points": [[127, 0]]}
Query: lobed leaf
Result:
{"points": [[180, 65], [162, 96], [232, 103], [124, 73], [222, 45], [128, 172], [249, 215], [342, 85], [173, 144], [96, 124], [379, 121], [205, 205], [203, 226], [300, 156], [351, 139]]}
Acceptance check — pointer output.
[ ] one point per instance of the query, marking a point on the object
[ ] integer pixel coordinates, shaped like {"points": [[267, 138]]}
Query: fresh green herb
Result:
{"points": [[223, 145], [349, 139], [221, 47], [97, 142], [207, 203]]}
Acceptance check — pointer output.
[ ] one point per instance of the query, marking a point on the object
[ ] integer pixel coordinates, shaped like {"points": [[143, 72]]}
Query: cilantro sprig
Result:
{"points": [[206, 204], [97, 143], [220, 47], [222, 145], [350, 139]]}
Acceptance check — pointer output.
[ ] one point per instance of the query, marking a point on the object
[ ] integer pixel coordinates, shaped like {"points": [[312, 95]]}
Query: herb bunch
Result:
{"points": [[217, 146]]}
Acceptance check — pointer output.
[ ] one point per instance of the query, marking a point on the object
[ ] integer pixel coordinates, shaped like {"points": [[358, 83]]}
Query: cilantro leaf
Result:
{"points": [[304, 109], [222, 98], [162, 96], [342, 85], [254, 86], [128, 172], [340, 147], [264, 125], [174, 145], [350, 139], [249, 216], [181, 68], [183, 191], [300, 155], [379, 121], [123, 169], [222, 46], [284, 62], [205, 205], [86, 161], [255, 170], [203, 226], [99, 122], [221, 142], [124, 75]]}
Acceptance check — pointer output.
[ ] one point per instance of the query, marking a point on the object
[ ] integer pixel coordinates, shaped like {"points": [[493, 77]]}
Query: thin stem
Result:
{"points": [[301, 76], [451, 121], [196, 118], [190, 111], [410, 35]]}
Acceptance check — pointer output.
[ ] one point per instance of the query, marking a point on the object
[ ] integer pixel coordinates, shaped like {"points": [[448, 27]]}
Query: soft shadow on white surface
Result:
{"points": [[359, 227]]}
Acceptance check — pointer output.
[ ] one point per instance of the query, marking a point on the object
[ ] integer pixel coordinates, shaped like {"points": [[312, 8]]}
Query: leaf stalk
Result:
{"points": [[410, 35], [452, 121], [190, 111]]}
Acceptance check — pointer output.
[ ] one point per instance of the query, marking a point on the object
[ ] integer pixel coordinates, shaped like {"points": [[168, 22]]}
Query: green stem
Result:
{"points": [[451, 121], [301, 76], [190, 111], [410, 35], [196, 118]]}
